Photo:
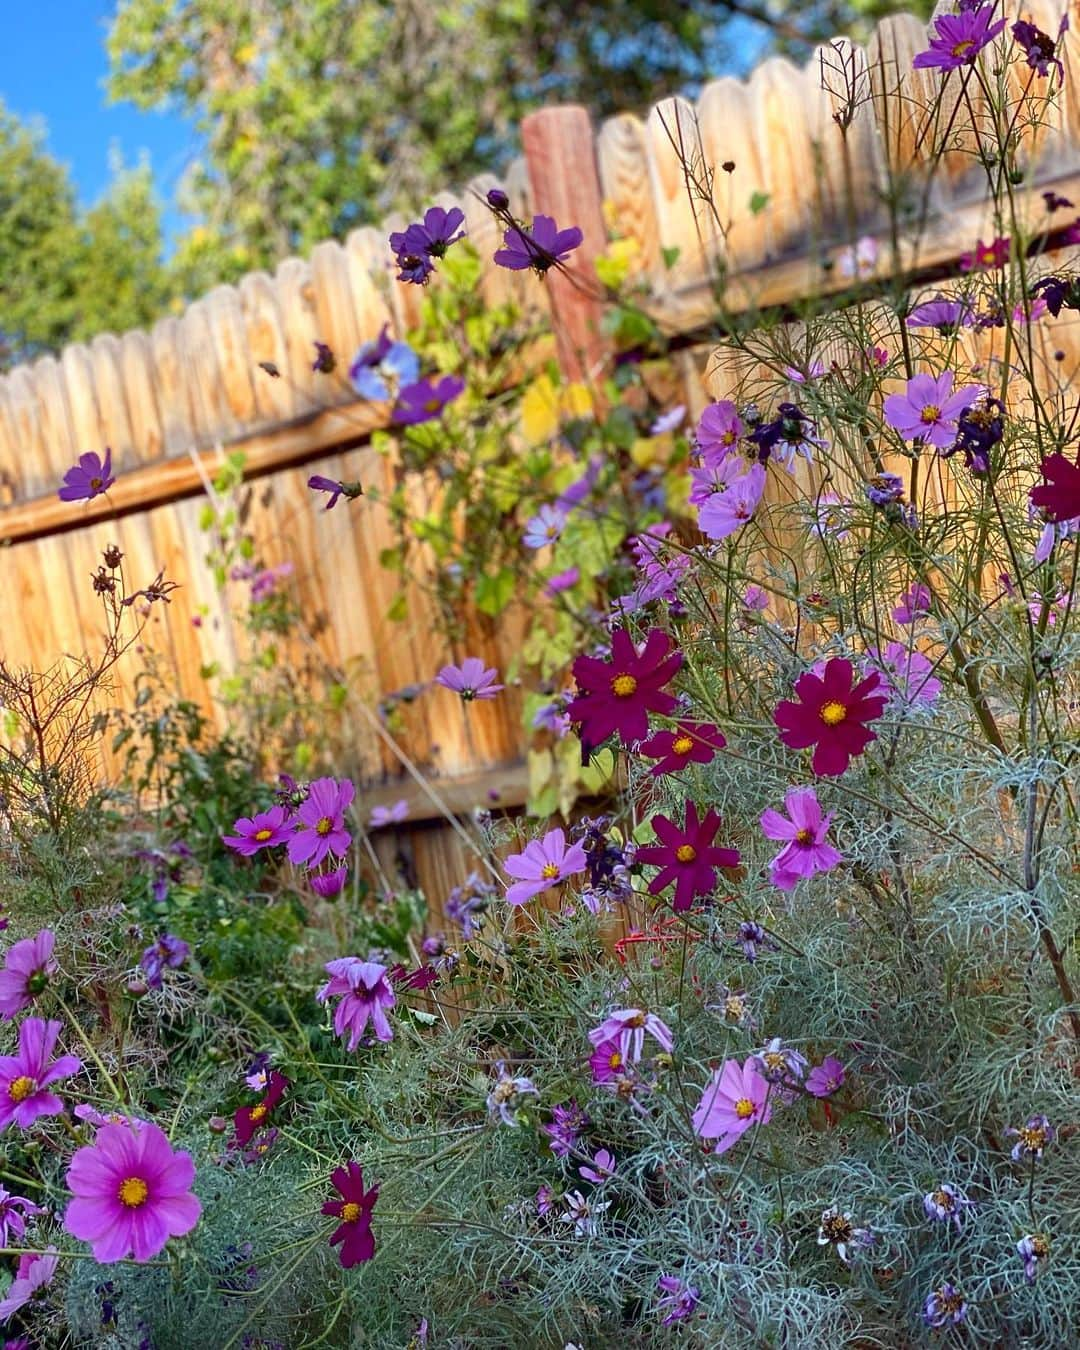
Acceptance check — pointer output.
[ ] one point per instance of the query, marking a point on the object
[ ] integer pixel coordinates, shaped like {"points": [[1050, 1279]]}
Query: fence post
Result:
{"points": [[560, 153]]}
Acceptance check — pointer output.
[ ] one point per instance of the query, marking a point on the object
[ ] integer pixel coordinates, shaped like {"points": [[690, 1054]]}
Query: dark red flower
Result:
{"points": [[832, 715], [689, 743], [354, 1210], [1059, 497], [619, 694], [251, 1118], [686, 857], [420, 978]]}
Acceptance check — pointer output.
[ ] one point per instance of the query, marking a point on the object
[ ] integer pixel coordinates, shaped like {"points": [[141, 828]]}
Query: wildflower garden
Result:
{"points": [[757, 1022]]}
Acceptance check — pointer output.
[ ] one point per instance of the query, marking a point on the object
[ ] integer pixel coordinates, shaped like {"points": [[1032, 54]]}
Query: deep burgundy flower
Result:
{"points": [[994, 254], [960, 38], [831, 715], [1059, 497], [88, 479], [689, 743], [424, 400], [539, 248], [618, 695], [1055, 202], [686, 857], [248, 1119], [1038, 47], [354, 1210]]}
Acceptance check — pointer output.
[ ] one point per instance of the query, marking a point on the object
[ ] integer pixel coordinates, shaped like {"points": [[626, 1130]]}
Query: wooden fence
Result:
{"points": [[817, 146]]}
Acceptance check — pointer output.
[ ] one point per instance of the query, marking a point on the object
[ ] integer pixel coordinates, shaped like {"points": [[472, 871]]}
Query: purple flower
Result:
{"points": [[928, 409], [167, 951], [914, 604], [792, 432], [264, 830], [14, 1211], [433, 235], [959, 39], [364, 993], [540, 248], [25, 1077], [320, 822], [1039, 47], [325, 360], [885, 488], [318, 483], [679, 1299], [1033, 1249], [33, 1273], [722, 513], [778, 1062], [388, 815], [1031, 1138], [88, 479], [627, 1027], [825, 1078], [504, 1099], [806, 851], [544, 862], [946, 1204], [329, 884], [27, 967], [543, 528], [472, 897], [562, 581], [735, 1099], [669, 421], [908, 673], [860, 260], [600, 1169], [382, 366], [581, 487], [425, 399], [583, 1213], [718, 431], [941, 313], [544, 1201], [471, 679], [944, 1305], [750, 937], [754, 598], [566, 1122]]}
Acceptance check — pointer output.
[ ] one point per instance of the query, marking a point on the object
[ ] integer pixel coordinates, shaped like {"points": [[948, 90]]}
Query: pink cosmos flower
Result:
{"points": [[831, 715], [618, 695], [14, 1211], [959, 38], [860, 259], [689, 743], [908, 673], [471, 679], [755, 598], [33, 1273], [805, 852], [928, 409], [320, 822], [825, 1078], [914, 604], [686, 856], [735, 1099], [815, 370], [544, 862], [92, 1116], [719, 430], [329, 884], [607, 1062], [562, 581], [715, 476], [600, 1169], [388, 815], [725, 512], [25, 1077], [365, 995], [27, 967], [627, 1028], [132, 1193]]}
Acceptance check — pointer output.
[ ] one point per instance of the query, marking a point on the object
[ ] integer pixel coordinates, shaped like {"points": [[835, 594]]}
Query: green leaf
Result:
{"points": [[494, 593], [398, 608], [670, 256], [758, 202]]}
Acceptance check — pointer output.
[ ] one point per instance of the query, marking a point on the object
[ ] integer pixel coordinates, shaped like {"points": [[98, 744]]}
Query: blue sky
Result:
{"points": [[53, 66]]}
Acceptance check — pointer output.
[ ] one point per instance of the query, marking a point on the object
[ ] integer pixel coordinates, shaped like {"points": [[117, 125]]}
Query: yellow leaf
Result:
{"points": [[647, 451], [544, 406]]}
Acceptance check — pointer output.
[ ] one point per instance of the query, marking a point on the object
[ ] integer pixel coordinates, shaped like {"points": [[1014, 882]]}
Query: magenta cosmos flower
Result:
{"points": [[472, 679], [27, 967], [249, 1119], [540, 248], [618, 695], [907, 673], [805, 851], [825, 1078], [88, 479], [354, 1212], [914, 604], [25, 1077], [132, 1193], [329, 884], [1059, 497], [959, 39], [689, 743], [831, 715], [928, 409], [14, 1211], [33, 1273], [320, 822], [626, 1028], [734, 1100], [686, 856], [544, 862], [365, 995]]}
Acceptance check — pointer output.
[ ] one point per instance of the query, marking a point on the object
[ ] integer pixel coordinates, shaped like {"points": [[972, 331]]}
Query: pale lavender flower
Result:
{"points": [[626, 1027], [544, 528], [1031, 1138], [837, 1230], [583, 1213], [601, 1169], [779, 1061], [946, 1204], [908, 673], [505, 1097], [669, 421], [1033, 1249], [471, 679], [388, 815]]}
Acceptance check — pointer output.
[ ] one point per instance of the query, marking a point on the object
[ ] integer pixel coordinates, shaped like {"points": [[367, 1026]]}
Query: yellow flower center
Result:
{"points": [[962, 48], [263, 835], [432, 405], [549, 871], [734, 1007], [744, 1108], [622, 686], [943, 1200], [259, 1112], [833, 713], [133, 1192], [350, 1212], [805, 837], [1033, 1137], [95, 483], [931, 413], [773, 1060], [21, 1088], [615, 1061], [683, 745], [324, 826], [728, 438], [686, 853]]}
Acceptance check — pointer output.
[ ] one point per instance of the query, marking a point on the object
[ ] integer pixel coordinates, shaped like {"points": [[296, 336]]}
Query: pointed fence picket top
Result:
{"points": [[769, 179]]}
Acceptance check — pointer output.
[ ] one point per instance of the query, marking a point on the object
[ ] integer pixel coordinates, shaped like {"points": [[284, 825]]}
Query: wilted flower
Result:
{"points": [[464, 902], [167, 951], [364, 994], [1031, 1138], [505, 1097], [325, 360], [679, 1299], [750, 936], [943, 1306], [1039, 47], [331, 883], [566, 1123], [946, 1204], [1033, 1249], [319, 483], [778, 1062], [838, 1231], [792, 432]]}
